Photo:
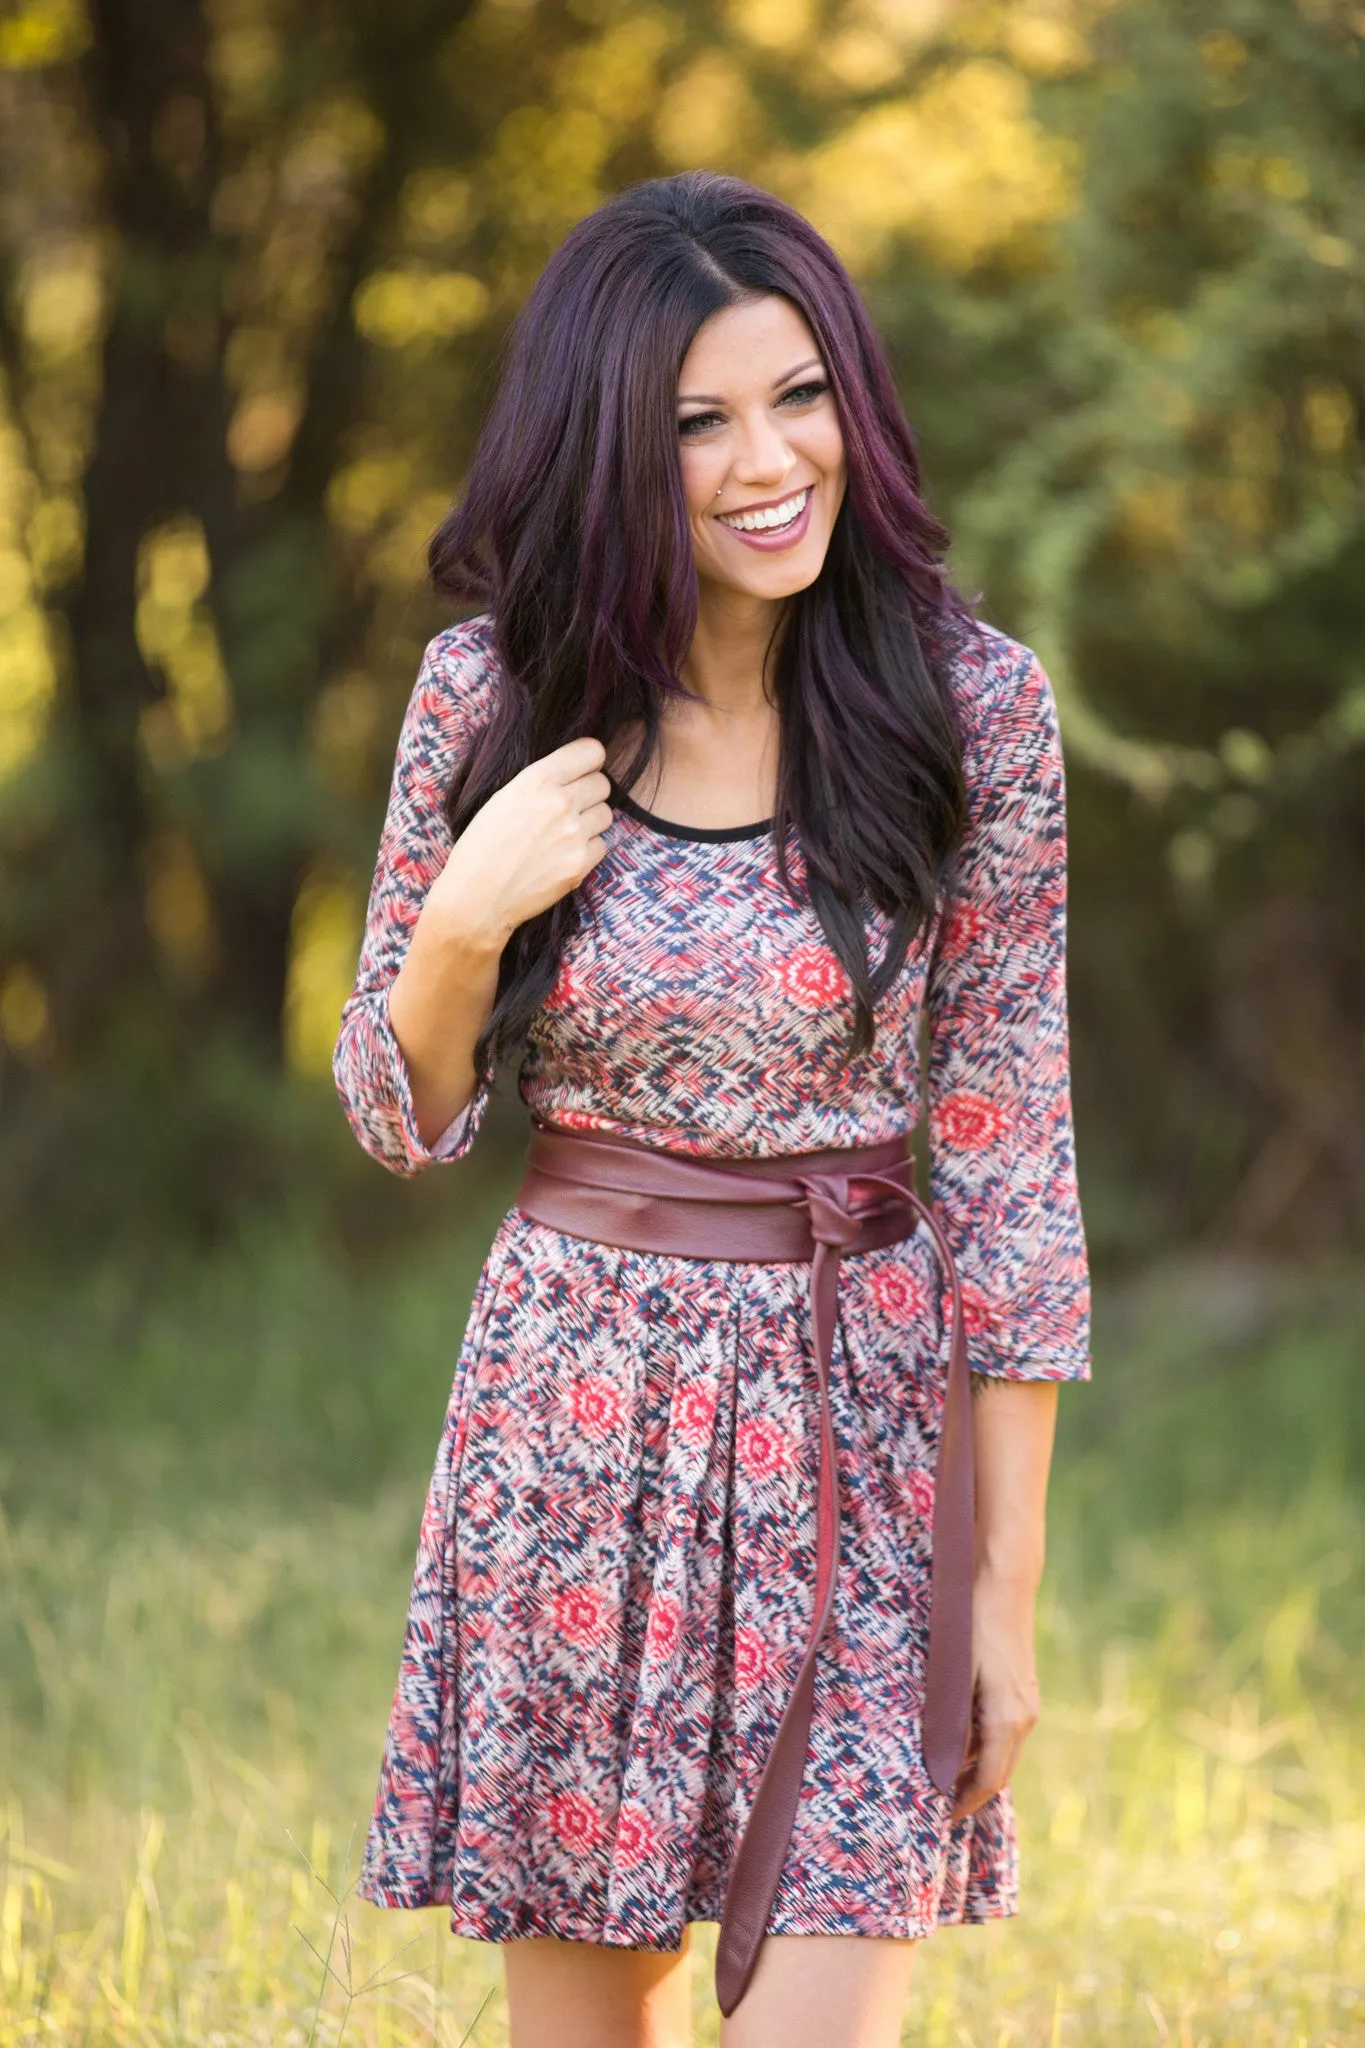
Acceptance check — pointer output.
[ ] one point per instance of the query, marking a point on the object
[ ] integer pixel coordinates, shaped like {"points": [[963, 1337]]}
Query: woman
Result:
{"points": [[721, 796]]}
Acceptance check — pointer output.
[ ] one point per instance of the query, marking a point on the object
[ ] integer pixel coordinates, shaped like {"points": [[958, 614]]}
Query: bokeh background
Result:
{"points": [[256, 259]]}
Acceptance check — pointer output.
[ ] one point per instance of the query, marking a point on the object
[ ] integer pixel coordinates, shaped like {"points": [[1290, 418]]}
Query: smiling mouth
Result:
{"points": [[768, 518]]}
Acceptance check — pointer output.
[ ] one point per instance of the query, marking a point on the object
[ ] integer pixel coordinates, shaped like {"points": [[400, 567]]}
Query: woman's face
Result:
{"points": [[762, 454]]}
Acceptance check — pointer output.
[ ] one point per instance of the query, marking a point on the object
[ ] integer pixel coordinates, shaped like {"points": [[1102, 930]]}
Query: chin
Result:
{"points": [[785, 579], [776, 578]]}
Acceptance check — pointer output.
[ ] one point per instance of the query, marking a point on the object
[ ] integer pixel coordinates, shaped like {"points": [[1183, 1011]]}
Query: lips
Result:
{"points": [[769, 517], [768, 539]]}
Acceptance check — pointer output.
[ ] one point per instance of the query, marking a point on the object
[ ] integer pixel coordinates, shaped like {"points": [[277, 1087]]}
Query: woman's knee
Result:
{"points": [[824, 1991], [583, 1994]]}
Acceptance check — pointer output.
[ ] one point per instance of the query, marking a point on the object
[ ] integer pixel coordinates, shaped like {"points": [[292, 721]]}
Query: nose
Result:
{"points": [[763, 457]]}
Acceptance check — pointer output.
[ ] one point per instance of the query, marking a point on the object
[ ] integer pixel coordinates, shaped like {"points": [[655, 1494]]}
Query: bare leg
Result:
{"points": [[578, 1994], [823, 1991]]}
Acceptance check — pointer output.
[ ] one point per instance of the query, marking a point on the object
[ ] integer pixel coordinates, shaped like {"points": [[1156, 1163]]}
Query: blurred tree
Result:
{"points": [[241, 176], [1151, 433], [257, 258]]}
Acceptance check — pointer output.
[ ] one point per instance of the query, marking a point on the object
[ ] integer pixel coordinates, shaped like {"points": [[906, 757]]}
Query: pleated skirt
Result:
{"points": [[613, 1585]]}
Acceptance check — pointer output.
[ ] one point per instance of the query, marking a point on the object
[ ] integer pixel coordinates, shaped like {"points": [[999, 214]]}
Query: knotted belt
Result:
{"points": [[797, 1207]]}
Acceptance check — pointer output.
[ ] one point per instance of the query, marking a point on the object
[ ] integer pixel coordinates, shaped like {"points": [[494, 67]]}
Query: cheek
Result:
{"points": [[702, 476], [827, 450]]}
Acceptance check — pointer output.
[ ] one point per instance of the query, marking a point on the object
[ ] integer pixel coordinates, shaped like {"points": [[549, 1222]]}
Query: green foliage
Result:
{"points": [[1148, 445]]}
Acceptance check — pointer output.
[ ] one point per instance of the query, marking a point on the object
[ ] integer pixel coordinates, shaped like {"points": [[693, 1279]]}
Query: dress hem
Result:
{"points": [[524, 1923]]}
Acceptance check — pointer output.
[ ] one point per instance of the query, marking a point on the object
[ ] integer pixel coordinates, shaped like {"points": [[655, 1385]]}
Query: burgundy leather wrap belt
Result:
{"points": [[809, 1206]]}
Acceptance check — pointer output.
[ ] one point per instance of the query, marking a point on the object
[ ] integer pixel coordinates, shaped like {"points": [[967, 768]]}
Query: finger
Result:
{"points": [[989, 1774], [575, 758], [966, 1799], [998, 1751], [593, 852], [588, 789], [597, 819], [976, 1792]]}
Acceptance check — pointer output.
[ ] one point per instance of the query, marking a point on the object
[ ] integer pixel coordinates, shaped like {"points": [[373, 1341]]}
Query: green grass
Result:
{"points": [[212, 1483]]}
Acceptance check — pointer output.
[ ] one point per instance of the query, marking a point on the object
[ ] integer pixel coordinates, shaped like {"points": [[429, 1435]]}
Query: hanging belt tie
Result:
{"points": [[798, 1207]]}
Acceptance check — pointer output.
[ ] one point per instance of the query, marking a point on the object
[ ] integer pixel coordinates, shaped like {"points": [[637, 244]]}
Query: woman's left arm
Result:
{"points": [[1013, 1422], [1003, 1167]]}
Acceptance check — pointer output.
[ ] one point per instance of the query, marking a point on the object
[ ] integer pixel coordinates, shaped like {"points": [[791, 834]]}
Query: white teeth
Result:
{"points": [[770, 517]]}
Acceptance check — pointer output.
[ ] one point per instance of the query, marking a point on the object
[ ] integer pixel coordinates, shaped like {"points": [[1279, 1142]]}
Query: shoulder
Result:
{"points": [[1002, 696], [455, 688], [458, 675]]}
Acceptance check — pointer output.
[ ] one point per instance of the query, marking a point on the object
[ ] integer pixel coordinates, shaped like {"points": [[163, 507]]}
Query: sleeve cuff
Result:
{"points": [[1055, 1369], [1038, 1333], [459, 1134]]}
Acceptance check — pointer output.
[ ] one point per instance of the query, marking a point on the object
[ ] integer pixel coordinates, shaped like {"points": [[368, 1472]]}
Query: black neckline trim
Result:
{"points": [[709, 834]]}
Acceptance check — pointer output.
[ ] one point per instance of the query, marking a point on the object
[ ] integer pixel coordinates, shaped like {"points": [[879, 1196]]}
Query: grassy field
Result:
{"points": [[212, 1478]]}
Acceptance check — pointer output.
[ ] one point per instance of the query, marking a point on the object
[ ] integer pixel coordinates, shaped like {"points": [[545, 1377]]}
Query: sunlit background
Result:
{"points": [[256, 261]]}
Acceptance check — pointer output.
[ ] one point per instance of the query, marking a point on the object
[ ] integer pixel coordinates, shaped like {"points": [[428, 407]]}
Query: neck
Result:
{"points": [[725, 664]]}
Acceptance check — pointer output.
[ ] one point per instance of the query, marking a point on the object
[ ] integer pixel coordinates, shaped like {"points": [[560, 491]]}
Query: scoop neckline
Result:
{"points": [[707, 834]]}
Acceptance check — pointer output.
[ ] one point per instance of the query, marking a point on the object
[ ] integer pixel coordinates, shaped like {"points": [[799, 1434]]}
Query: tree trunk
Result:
{"points": [[283, 617], [160, 448], [162, 397]]}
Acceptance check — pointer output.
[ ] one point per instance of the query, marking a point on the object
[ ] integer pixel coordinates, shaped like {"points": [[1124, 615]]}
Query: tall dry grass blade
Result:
{"points": [[331, 1945], [468, 2034]]}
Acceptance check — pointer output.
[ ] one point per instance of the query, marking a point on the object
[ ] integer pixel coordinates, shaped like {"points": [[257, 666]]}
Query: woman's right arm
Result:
{"points": [[439, 916], [529, 845]]}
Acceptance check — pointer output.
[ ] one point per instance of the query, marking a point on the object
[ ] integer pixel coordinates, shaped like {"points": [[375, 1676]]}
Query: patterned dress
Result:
{"points": [[616, 1564]]}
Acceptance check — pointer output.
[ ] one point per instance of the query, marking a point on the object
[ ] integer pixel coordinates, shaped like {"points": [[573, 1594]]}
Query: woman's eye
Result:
{"points": [[804, 394], [697, 423]]}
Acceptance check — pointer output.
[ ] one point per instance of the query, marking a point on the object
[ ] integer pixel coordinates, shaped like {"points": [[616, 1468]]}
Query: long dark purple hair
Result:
{"points": [[573, 532]]}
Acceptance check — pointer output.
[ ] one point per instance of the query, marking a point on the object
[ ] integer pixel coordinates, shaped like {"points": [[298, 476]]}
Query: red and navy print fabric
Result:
{"points": [[616, 1563]]}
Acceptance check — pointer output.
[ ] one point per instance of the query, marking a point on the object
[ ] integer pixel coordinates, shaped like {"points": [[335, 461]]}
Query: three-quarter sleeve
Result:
{"points": [[1003, 1164], [448, 701]]}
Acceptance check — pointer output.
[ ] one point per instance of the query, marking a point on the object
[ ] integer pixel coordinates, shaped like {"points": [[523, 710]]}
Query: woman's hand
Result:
{"points": [[1005, 1685], [521, 851], [530, 844]]}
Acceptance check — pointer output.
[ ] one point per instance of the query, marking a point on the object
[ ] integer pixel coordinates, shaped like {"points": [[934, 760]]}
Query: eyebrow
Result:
{"points": [[703, 398]]}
